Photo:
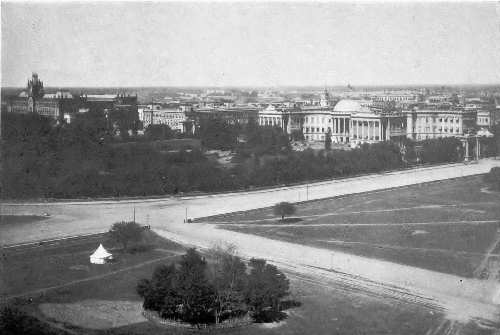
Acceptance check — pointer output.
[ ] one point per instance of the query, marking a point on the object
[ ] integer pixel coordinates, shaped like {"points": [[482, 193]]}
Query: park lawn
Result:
{"points": [[326, 308], [20, 219], [40, 266], [404, 225], [460, 198]]}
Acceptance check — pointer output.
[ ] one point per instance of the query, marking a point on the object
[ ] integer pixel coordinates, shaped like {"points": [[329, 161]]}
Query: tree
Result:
{"points": [[229, 279], [266, 286], [216, 133], [328, 140], [284, 208], [125, 232], [159, 132], [194, 290], [297, 135]]}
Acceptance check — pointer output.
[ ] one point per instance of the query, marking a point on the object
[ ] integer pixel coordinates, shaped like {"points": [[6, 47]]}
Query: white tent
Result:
{"points": [[100, 256]]}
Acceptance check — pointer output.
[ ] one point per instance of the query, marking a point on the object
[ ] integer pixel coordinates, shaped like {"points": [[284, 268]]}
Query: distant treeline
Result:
{"points": [[81, 160]]}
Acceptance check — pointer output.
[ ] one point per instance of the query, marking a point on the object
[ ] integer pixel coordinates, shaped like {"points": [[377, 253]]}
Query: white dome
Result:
{"points": [[347, 106]]}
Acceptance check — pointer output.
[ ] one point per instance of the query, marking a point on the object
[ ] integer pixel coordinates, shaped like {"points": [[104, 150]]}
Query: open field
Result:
{"points": [[33, 268], [108, 304], [446, 226]]}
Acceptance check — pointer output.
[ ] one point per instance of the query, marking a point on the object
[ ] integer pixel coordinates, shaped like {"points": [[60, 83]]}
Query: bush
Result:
{"points": [[269, 315]]}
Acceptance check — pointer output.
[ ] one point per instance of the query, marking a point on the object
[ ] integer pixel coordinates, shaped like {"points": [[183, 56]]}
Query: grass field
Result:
{"points": [[20, 219], [446, 226], [88, 299]]}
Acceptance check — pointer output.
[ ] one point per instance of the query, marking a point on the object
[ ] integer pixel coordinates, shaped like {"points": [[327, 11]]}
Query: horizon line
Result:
{"points": [[264, 86]]}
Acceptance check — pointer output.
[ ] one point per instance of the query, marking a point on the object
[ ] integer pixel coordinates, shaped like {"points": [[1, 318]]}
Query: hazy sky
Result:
{"points": [[255, 44]]}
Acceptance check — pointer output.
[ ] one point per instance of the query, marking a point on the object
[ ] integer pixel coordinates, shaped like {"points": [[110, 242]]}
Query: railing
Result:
{"points": [[226, 324]]}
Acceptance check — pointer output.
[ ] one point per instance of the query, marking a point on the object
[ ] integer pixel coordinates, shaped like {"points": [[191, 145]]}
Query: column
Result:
{"points": [[388, 130]]}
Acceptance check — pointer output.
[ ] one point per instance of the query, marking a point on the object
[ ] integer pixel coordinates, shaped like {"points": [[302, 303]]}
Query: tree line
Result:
{"points": [[81, 159]]}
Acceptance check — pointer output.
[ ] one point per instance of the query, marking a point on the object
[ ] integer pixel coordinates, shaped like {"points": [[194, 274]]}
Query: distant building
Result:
{"points": [[233, 115], [425, 124], [174, 117], [403, 98], [350, 122], [34, 100], [484, 118]]}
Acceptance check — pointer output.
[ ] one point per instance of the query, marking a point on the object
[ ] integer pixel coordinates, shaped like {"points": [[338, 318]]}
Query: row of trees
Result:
{"points": [[197, 292]]}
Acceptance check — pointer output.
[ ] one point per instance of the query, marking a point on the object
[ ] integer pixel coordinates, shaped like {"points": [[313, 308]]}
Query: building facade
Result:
{"points": [[174, 117], [423, 124]]}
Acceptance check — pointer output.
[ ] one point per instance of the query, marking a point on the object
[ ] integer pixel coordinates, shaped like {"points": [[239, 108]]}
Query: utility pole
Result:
{"points": [[186, 215], [134, 214]]}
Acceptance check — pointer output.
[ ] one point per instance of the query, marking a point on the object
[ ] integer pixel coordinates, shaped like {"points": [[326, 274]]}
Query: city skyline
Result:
{"points": [[251, 44]]}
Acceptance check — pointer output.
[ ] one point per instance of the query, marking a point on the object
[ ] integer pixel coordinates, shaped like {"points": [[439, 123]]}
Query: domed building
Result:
{"points": [[349, 122]]}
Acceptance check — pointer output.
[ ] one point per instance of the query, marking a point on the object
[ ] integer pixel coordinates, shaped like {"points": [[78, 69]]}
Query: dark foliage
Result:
{"points": [[187, 293], [125, 233], [159, 132], [492, 178], [284, 208], [217, 134], [81, 159], [267, 286], [269, 315], [16, 322], [441, 150]]}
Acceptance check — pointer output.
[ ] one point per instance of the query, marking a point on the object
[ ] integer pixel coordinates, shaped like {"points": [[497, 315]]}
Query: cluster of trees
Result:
{"points": [[79, 160], [200, 293], [492, 178]]}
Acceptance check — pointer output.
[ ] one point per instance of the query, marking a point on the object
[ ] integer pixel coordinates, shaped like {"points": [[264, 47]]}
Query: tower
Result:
{"points": [[35, 91], [325, 99]]}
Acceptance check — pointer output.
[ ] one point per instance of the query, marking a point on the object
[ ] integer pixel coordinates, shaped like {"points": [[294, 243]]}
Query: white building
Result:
{"points": [[484, 118], [175, 118], [429, 123]]}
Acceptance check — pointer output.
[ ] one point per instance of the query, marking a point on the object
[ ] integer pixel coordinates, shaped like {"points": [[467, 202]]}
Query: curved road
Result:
{"points": [[460, 298]]}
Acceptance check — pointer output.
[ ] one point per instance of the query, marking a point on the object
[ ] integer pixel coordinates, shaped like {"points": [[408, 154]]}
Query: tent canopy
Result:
{"points": [[100, 254]]}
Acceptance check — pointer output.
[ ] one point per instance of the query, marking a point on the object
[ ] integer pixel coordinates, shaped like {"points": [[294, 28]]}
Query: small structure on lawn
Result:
{"points": [[100, 256]]}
